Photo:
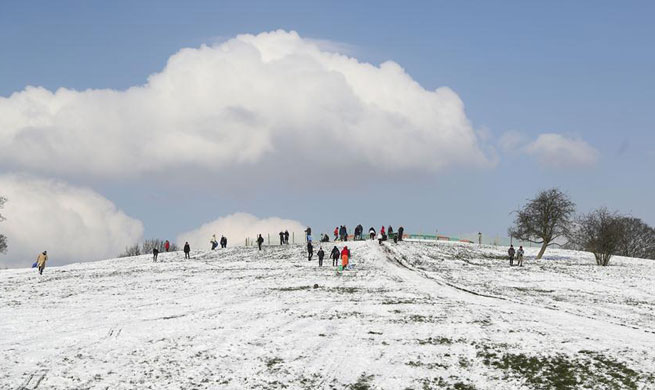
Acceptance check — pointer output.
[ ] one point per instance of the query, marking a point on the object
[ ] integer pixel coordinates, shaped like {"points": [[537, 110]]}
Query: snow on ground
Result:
{"points": [[411, 316]]}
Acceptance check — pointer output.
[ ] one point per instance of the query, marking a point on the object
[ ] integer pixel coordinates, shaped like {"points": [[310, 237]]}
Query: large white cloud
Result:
{"points": [[257, 103], [73, 224], [558, 151], [239, 226]]}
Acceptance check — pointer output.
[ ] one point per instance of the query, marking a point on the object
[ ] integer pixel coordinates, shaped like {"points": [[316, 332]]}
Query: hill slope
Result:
{"points": [[414, 315]]}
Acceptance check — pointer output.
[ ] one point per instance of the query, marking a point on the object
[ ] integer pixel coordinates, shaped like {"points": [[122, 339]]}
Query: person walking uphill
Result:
{"points": [[511, 252], [155, 253], [167, 245], [345, 256], [519, 256], [321, 255], [187, 250], [334, 255], [310, 251], [40, 261], [260, 241]]}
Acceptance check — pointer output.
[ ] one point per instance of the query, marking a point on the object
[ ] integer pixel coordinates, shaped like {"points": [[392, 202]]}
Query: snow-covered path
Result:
{"points": [[414, 315]]}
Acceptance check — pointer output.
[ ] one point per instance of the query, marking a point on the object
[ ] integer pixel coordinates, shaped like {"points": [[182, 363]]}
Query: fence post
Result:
{"points": [[293, 237]]}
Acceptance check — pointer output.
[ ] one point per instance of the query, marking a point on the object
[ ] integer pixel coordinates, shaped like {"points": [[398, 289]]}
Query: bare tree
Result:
{"points": [[130, 251], [544, 219], [638, 240], [149, 245], [599, 232], [3, 238]]}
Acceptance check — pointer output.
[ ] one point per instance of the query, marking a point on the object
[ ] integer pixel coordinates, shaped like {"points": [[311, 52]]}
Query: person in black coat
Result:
{"points": [[187, 250], [286, 236], [223, 242], [281, 237], [155, 252], [335, 256], [401, 230], [320, 254], [310, 251], [260, 241]]}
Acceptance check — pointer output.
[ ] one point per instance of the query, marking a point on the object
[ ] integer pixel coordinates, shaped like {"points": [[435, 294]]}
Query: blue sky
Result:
{"points": [[582, 69]]}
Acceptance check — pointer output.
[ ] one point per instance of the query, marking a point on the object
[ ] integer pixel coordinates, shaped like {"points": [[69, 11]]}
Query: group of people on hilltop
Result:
{"points": [[215, 243], [385, 234], [167, 246], [284, 237], [519, 255]]}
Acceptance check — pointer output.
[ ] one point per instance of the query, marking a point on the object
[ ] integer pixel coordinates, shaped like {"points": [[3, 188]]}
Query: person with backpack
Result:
{"points": [[286, 237], [40, 261], [260, 241], [519, 256], [167, 245], [321, 255], [155, 253], [187, 250], [511, 252], [335, 256], [310, 251]]}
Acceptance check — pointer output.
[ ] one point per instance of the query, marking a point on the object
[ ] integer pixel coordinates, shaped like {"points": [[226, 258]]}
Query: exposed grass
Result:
{"points": [[562, 372], [436, 341], [272, 364], [363, 383], [439, 383]]}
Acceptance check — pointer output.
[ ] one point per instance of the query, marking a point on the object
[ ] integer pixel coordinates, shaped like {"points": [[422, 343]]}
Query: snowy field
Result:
{"points": [[411, 316]]}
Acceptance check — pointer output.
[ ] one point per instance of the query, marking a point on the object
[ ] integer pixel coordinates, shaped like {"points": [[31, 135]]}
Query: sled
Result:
{"points": [[34, 265]]}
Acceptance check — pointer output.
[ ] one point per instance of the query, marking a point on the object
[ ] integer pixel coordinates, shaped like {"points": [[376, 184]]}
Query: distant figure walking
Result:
{"points": [[155, 253], [334, 255], [223, 242], [281, 237], [511, 253], [321, 255], [308, 233], [519, 256], [286, 237], [40, 261], [401, 231], [187, 250], [214, 242], [336, 233], [260, 241], [345, 256], [310, 251], [167, 245]]}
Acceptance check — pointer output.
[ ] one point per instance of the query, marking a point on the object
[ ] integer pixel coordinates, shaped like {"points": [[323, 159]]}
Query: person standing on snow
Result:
{"points": [[345, 256], [281, 237], [310, 251], [320, 254], [382, 231], [223, 242], [260, 241], [167, 245], [371, 233], [335, 256], [519, 256], [187, 250], [40, 261], [214, 242], [401, 230], [286, 237], [308, 233], [511, 252], [336, 233], [155, 253]]}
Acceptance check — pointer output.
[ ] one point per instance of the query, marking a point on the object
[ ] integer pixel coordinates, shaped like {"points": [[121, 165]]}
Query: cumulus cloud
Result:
{"points": [[73, 224], [257, 103], [239, 226], [510, 141], [558, 151]]}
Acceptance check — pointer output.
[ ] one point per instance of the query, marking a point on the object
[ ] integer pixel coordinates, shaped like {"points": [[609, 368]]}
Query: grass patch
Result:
{"points": [[436, 341], [562, 372], [273, 363], [363, 383], [296, 288], [443, 384]]}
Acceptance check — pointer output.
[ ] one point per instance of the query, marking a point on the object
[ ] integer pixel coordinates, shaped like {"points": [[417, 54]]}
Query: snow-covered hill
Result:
{"points": [[411, 316]]}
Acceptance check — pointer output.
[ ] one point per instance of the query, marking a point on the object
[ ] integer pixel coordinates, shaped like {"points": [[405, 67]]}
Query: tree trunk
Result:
{"points": [[542, 250]]}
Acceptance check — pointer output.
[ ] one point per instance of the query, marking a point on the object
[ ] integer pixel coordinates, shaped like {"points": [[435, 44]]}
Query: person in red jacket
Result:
{"points": [[167, 245], [382, 231], [345, 256], [336, 233]]}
